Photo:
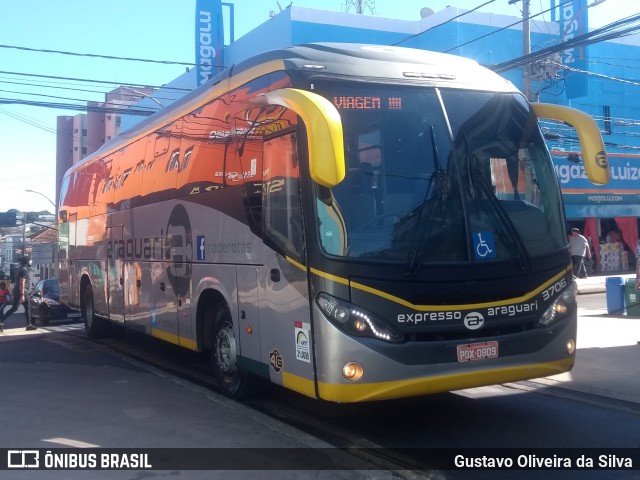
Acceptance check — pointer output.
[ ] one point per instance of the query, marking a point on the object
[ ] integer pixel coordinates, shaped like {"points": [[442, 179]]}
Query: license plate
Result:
{"points": [[477, 351], [74, 315]]}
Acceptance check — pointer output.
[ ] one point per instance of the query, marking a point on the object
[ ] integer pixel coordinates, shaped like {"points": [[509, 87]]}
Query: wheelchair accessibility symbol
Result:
{"points": [[483, 245]]}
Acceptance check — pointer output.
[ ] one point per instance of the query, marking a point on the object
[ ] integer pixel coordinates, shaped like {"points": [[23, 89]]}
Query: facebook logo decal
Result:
{"points": [[200, 247]]}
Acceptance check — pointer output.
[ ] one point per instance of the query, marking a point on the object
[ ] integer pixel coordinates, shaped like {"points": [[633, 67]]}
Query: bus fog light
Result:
{"points": [[352, 371], [571, 346]]}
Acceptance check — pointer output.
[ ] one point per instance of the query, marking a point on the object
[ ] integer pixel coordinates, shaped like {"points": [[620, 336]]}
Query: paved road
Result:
{"points": [[62, 391]]}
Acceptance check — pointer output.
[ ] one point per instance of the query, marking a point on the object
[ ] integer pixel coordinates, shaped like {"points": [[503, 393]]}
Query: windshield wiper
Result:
{"points": [[523, 255], [420, 232]]}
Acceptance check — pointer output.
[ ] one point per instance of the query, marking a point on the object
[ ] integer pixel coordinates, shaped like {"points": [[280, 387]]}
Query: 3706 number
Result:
{"points": [[553, 290]]}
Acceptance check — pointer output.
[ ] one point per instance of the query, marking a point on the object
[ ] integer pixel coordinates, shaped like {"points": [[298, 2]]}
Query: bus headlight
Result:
{"points": [[564, 305], [355, 320]]}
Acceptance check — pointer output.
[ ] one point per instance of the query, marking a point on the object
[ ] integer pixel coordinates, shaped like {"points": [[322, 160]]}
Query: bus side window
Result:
{"points": [[282, 210], [247, 157]]}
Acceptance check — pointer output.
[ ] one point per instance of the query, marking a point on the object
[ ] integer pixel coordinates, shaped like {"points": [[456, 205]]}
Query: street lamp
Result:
{"points": [[138, 92], [42, 194]]}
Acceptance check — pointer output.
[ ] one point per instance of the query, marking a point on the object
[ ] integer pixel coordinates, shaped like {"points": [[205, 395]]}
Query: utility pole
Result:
{"points": [[526, 47]]}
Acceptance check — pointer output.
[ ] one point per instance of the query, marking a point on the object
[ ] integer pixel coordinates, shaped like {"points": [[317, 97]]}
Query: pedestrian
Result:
{"points": [[20, 292], [5, 298], [579, 248]]}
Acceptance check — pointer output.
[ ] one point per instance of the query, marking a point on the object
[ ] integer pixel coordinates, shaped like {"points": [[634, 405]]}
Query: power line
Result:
{"points": [[92, 81], [94, 55], [76, 81], [593, 74], [30, 121], [443, 23], [77, 107], [41, 86], [600, 35], [508, 26], [37, 124], [50, 96]]}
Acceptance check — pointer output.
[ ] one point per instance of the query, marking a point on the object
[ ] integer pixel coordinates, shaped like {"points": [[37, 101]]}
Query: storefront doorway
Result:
{"points": [[613, 242]]}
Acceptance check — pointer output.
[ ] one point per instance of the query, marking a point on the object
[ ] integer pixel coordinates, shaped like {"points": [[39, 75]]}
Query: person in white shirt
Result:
{"points": [[579, 248]]}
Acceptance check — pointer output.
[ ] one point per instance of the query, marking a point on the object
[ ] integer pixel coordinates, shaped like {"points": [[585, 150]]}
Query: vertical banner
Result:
{"points": [[209, 39], [574, 22]]}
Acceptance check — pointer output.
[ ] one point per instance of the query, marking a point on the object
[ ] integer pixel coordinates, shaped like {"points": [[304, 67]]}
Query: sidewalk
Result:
{"points": [[597, 283], [608, 352]]}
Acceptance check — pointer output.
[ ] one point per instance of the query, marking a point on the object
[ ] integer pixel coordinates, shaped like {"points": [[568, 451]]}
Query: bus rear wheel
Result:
{"points": [[94, 326], [230, 377]]}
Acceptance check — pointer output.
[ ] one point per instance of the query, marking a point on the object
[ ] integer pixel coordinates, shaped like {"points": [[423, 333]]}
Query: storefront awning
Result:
{"points": [[601, 211]]}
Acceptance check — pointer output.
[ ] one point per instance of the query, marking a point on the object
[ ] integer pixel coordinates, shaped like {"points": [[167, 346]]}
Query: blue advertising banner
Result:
{"points": [[209, 40], [574, 22], [621, 197]]}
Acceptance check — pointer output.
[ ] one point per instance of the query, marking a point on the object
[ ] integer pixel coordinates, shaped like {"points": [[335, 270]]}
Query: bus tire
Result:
{"points": [[94, 326], [230, 378]]}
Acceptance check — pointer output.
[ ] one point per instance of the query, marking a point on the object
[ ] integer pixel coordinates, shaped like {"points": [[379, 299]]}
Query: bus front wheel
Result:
{"points": [[233, 380]]}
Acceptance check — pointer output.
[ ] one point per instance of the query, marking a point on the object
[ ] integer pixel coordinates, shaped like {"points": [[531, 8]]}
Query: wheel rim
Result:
{"points": [[225, 351]]}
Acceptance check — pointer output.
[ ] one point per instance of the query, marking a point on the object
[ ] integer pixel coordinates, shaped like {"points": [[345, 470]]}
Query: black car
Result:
{"points": [[44, 303]]}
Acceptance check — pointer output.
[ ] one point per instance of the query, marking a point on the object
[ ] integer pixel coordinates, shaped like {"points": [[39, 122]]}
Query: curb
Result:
{"points": [[585, 289]]}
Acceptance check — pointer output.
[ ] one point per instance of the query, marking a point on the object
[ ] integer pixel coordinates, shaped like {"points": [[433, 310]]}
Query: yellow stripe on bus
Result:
{"points": [[328, 276], [359, 392], [299, 384], [427, 308], [175, 339]]}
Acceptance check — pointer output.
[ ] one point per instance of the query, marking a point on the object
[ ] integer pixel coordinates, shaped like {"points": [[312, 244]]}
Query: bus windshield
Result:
{"points": [[439, 175]]}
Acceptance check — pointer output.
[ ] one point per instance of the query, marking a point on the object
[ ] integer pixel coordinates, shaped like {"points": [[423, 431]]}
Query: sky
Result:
{"points": [[161, 30]]}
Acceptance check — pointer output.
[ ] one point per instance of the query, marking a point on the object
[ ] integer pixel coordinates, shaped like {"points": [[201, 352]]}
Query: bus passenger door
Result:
{"points": [[285, 316], [157, 220], [133, 285], [171, 279], [128, 184], [164, 323]]}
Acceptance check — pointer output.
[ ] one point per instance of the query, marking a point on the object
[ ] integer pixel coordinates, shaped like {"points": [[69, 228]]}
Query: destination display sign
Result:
{"points": [[355, 102]]}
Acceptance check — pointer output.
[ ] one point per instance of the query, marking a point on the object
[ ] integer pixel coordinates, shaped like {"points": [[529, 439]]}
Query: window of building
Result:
{"points": [[606, 113]]}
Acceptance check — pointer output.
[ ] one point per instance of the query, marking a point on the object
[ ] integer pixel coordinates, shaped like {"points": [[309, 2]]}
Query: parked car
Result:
{"points": [[44, 303]]}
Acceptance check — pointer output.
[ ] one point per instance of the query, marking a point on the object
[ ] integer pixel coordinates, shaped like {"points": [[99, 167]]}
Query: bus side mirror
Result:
{"points": [[596, 163], [324, 132]]}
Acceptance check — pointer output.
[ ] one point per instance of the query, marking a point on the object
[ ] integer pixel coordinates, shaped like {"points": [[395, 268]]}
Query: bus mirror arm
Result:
{"points": [[324, 132], [593, 151]]}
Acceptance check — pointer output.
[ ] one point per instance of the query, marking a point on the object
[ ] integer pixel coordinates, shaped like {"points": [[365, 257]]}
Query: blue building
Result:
{"points": [[605, 84]]}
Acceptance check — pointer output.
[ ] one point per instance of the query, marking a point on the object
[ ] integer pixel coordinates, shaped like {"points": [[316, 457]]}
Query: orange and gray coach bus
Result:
{"points": [[352, 222]]}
